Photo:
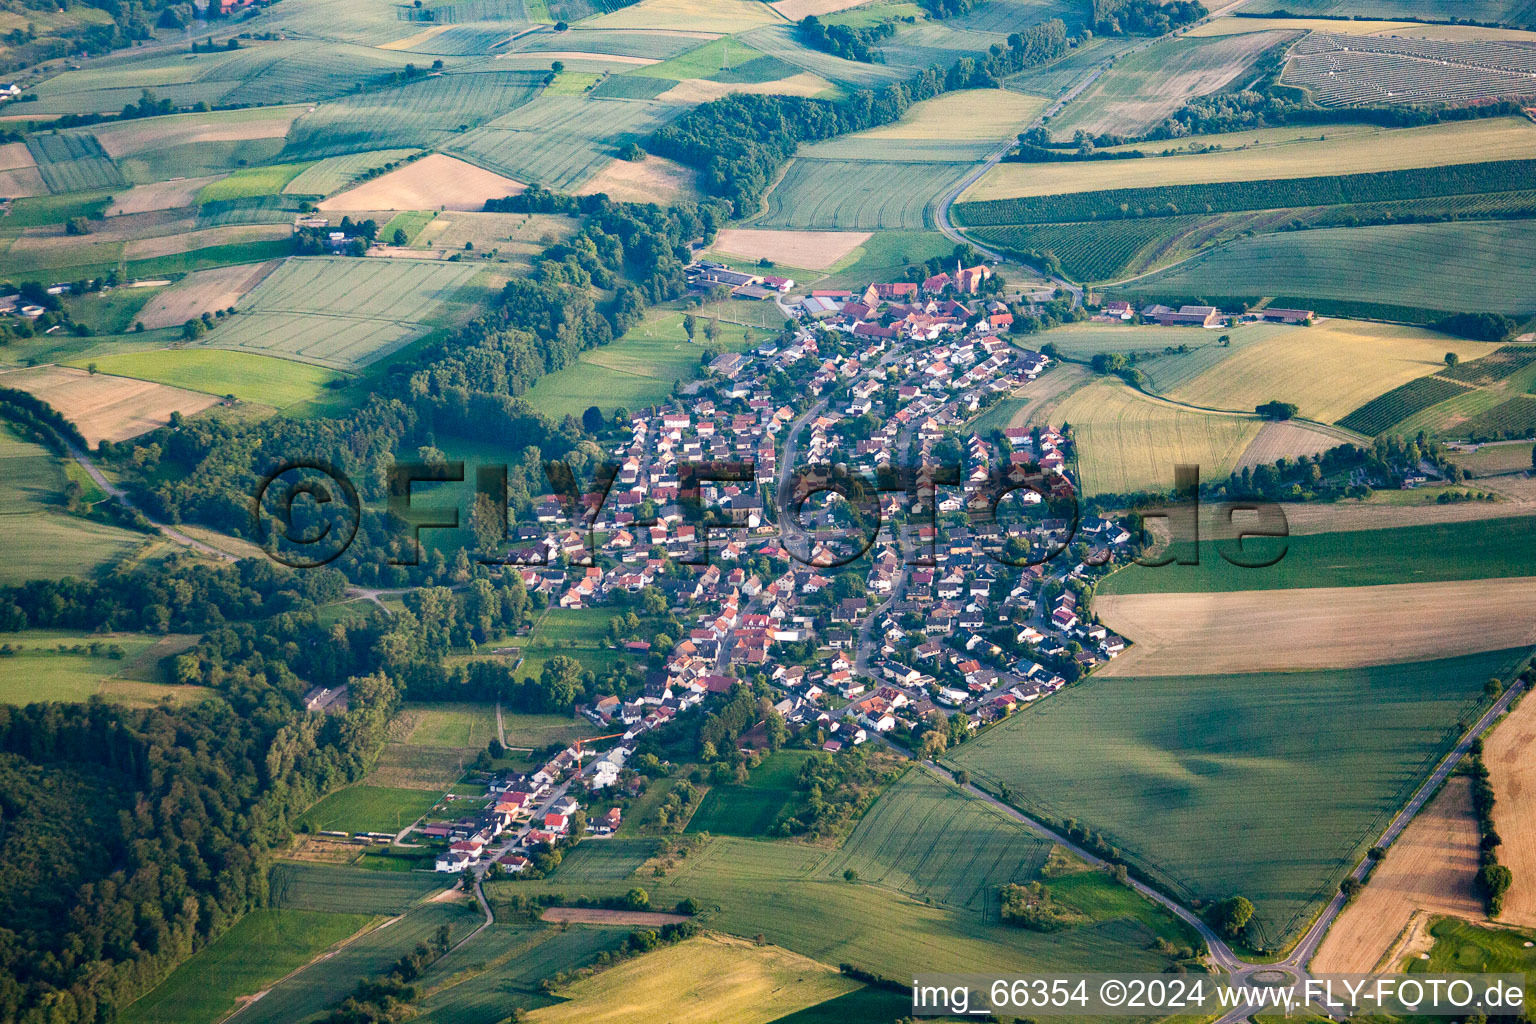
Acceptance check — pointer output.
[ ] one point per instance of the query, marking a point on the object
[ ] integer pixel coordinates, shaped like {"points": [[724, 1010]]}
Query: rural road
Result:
{"points": [[121, 497], [1221, 954]]}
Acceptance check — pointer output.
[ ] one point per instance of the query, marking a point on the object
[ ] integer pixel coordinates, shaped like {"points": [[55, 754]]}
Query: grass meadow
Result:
{"points": [[246, 375], [788, 893], [856, 195], [452, 725], [42, 540], [369, 809], [611, 860], [499, 971], [1268, 786], [892, 846], [41, 672], [263, 946], [324, 983], [341, 312], [636, 371], [345, 890], [751, 809]]}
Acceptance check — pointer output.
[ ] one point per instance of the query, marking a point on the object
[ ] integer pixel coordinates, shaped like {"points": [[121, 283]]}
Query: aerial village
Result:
{"points": [[945, 612]]}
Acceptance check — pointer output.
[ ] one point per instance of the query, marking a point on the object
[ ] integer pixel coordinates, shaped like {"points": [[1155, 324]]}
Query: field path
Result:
{"points": [[122, 498]]}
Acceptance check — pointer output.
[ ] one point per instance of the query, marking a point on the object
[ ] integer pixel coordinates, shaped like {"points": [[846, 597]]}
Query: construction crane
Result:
{"points": [[591, 739]]}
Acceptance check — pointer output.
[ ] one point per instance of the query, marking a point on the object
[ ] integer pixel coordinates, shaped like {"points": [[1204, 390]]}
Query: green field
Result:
{"points": [[703, 62], [780, 891], [421, 114], [1263, 785], [885, 257], [500, 970], [453, 725], [560, 141], [269, 72], [538, 731], [42, 540], [343, 890], [197, 159], [326, 982], [925, 839], [856, 195], [752, 808], [639, 369], [41, 672], [369, 809], [246, 375], [342, 312], [260, 949], [411, 222], [252, 181], [608, 860], [1476, 549], [1427, 266], [74, 163]]}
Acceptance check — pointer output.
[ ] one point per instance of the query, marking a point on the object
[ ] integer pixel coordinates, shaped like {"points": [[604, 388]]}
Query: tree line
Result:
{"points": [[740, 142]]}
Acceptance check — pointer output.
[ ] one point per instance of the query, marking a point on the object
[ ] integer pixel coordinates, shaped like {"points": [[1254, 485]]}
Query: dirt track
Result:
{"points": [[1431, 867]]}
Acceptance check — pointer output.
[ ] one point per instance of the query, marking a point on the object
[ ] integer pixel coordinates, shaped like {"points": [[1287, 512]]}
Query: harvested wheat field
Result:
{"points": [[103, 407], [688, 16], [704, 980], [434, 182], [652, 180], [794, 10], [1510, 754], [203, 292], [596, 915], [1285, 441], [186, 241], [1431, 868], [412, 41], [1345, 517], [813, 250], [124, 138], [162, 195], [1318, 628], [18, 172], [603, 58], [702, 90]]}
